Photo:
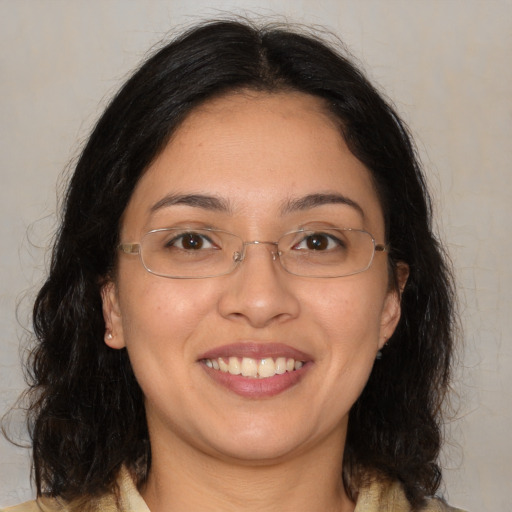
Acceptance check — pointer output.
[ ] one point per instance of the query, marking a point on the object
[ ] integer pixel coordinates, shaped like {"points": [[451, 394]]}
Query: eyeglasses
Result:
{"points": [[190, 253]]}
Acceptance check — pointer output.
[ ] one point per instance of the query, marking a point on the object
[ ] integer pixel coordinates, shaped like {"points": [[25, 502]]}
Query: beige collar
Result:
{"points": [[377, 497]]}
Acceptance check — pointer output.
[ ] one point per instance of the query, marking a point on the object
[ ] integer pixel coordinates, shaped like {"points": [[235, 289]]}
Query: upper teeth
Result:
{"points": [[255, 368]]}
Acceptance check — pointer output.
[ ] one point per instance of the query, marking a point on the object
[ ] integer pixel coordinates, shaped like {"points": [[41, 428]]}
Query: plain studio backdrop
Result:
{"points": [[444, 63]]}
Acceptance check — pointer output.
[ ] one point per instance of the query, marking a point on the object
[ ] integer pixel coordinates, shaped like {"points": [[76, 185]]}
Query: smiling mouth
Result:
{"points": [[252, 368]]}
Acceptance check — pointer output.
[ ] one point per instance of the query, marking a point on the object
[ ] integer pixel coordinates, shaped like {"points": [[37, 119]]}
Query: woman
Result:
{"points": [[246, 307]]}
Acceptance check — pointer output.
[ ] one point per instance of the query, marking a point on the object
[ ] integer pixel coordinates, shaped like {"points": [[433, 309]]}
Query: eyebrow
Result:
{"points": [[316, 200], [195, 200], [214, 203]]}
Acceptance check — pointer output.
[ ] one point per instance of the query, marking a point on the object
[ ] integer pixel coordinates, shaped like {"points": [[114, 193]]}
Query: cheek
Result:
{"points": [[154, 303], [160, 318], [348, 306], [161, 321], [343, 318], [347, 319]]}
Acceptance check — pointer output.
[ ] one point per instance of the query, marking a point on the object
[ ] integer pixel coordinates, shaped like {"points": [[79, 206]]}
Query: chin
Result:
{"points": [[262, 442], [258, 452]]}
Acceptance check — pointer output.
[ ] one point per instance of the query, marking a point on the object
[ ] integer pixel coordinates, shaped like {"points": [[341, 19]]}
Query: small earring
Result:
{"points": [[108, 336], [378, 356]]}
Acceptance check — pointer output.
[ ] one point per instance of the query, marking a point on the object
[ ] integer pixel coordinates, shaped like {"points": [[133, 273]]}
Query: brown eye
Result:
{"points": [[317, 242], [191, 241]]}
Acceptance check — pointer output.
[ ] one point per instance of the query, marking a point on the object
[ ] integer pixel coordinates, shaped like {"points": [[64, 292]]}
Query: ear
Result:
{"points": [[392, 308], [112, 315]]}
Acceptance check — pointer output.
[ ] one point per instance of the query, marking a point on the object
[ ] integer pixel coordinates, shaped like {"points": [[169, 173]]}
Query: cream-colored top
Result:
{"points": [[378, 497]]}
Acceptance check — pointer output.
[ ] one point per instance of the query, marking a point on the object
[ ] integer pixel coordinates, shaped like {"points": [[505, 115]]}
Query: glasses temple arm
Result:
{"points": [[129, 248]]}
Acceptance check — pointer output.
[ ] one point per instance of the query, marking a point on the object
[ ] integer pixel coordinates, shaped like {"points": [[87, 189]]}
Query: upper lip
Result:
{"points": [[256, 350]]}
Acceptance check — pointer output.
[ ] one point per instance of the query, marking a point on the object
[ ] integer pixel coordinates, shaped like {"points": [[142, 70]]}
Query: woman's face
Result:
{"points": [[262, 165]]}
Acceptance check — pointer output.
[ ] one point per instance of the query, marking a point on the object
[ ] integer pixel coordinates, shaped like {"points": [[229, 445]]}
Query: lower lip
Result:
{"points": [[257, 388]]}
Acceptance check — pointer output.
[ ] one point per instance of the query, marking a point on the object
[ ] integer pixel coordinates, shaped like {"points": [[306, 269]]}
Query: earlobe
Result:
{"points": [[111, 314], [392, 306]]}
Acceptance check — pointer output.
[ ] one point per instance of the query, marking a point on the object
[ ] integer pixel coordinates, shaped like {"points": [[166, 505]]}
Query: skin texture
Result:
{"points": [[214, 449]]}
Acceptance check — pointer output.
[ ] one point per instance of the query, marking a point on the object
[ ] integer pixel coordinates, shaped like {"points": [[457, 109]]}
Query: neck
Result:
{"points": [[183, 479]]}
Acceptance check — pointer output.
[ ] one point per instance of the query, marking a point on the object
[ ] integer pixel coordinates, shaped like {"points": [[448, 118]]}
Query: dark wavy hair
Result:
{"points": [[86, 415]]}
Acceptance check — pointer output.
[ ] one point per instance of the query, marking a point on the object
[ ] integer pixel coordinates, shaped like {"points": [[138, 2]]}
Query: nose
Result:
{"points": [[259, 292]]}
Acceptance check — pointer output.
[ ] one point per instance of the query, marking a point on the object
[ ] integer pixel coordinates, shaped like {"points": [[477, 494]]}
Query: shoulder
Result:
{"points": [[106, 503], [39, 505], [125, 499], [390, 497]]}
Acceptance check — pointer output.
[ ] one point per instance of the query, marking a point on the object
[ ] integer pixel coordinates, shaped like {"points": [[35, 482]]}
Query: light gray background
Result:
{"points": [[445, 63]]}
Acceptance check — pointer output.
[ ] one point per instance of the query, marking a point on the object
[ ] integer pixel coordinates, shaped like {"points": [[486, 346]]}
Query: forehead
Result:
{"points": [[256, 151], [255, 118]]}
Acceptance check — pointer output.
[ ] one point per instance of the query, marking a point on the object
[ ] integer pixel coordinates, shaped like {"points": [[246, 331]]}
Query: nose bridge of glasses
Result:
{"points": [[239, 256]]}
